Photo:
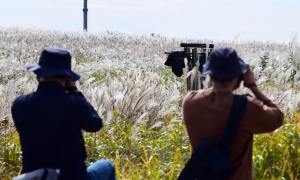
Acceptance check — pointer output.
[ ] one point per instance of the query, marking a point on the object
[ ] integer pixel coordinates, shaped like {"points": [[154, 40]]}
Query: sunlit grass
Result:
{"points": [[277, 154], [150, 153], [160, 153], [139, 99]]}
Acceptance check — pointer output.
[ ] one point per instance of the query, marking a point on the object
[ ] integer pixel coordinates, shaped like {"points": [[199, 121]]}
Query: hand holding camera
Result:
{"points": [[248, 78], [70, 86], [70, 83]]}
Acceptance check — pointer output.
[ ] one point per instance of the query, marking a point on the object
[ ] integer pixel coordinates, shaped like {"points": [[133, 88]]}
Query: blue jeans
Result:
{"points": [[102, 170]]}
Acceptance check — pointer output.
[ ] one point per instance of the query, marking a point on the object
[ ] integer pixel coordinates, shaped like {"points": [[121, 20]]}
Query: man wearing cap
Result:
{"points": [[40, 117], [206, 112]]}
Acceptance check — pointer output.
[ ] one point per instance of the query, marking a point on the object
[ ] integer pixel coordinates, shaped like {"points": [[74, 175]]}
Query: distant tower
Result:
{"points": [[85, 10]]}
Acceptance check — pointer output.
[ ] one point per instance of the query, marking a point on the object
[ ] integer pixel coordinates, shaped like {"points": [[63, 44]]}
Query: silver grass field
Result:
{"points": [[139, 99]]}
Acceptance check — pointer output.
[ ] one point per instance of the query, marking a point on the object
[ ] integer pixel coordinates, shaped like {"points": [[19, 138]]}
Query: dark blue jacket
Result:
{"points": [[39, 118]]}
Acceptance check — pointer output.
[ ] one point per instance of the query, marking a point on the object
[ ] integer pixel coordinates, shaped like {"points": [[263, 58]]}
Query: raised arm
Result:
{"points": [[261, 115], [88, 118]]}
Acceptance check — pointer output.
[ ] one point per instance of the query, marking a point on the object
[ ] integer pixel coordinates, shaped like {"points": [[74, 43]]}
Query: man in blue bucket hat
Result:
{"points": [[50, 120], [54, 62], [206, 112], [225, 64]]}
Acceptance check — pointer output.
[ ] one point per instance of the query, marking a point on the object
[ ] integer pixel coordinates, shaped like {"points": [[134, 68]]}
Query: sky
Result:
{"points": [[260, 20]]}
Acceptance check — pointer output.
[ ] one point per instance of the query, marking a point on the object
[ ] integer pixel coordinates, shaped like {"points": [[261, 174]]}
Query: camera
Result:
{"points": [[195, 60]]}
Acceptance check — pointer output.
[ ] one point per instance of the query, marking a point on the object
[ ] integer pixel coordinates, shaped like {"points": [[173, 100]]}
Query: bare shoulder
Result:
{"points": [[193, 96], [256, 102], [266, 107]]}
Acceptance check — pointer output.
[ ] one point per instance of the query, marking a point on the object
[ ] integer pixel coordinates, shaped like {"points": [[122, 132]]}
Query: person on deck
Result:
{"points": [[206, 112], [41, 115]]}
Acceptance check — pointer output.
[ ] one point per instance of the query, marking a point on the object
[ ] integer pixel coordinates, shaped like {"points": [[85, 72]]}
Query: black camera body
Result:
{"points": [[176, 61]]}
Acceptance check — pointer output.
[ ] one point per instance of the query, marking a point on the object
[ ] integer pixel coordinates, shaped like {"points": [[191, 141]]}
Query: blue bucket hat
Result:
{"points": [[224, 63], [54, 62]]}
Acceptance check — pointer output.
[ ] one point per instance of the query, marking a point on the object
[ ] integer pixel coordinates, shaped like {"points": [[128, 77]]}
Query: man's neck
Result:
{"points": [[41, 79], [218, 87]]}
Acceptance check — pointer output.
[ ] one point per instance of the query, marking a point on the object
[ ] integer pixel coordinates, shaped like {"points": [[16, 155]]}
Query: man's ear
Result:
{"points": [[68, 78], [238, 83]]}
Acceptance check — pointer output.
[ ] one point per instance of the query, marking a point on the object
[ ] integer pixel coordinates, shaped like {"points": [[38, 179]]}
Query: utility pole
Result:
{"points": [[85, 10]]}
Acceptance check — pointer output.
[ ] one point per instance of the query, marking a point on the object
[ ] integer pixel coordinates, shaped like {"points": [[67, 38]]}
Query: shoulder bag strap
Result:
{"points": [[232, 127]]}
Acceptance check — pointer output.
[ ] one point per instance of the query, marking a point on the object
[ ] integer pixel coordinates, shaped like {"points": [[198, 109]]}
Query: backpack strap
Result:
{"points": [[233, 124]]}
